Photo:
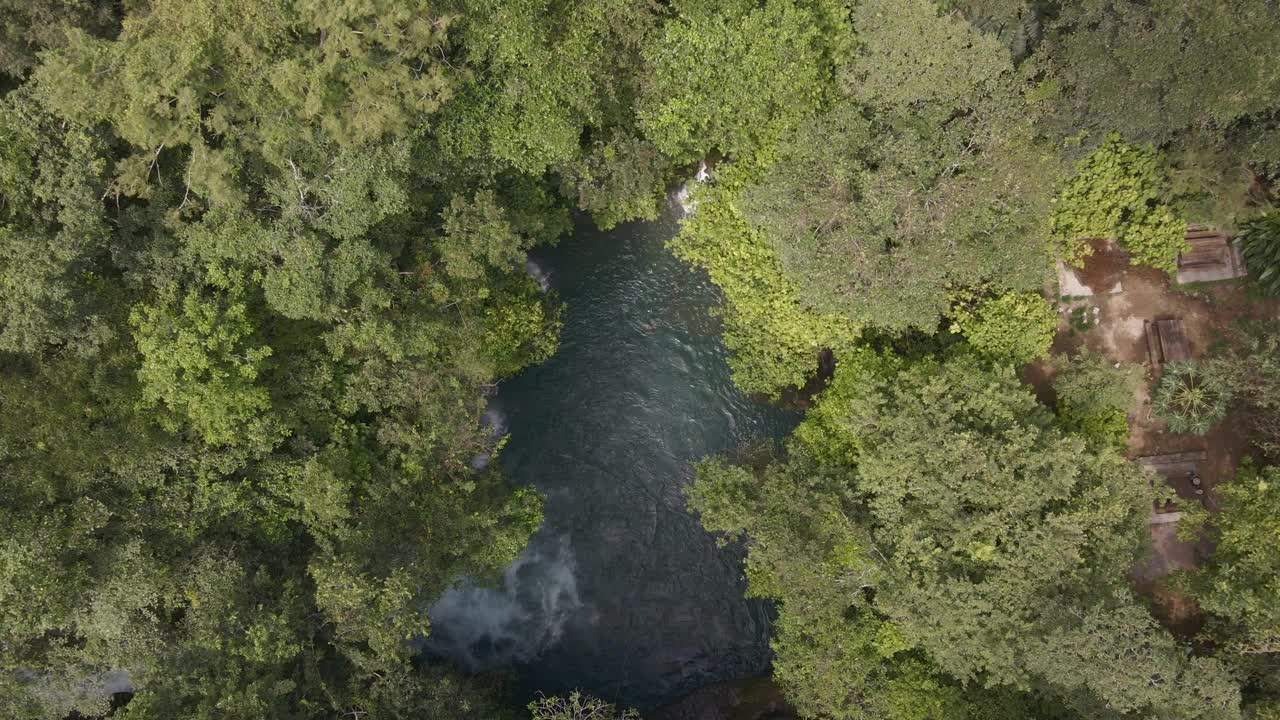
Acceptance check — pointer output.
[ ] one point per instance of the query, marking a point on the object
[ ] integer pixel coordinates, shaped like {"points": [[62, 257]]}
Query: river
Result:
{"points": [[621, 592]]}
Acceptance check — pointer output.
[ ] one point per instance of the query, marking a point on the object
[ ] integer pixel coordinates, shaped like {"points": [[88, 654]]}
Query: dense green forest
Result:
{"points": [[262, 262]]}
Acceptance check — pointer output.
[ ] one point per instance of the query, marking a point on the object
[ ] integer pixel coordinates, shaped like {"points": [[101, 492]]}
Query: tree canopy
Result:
{"points": [[932, 513], [263, 262]]}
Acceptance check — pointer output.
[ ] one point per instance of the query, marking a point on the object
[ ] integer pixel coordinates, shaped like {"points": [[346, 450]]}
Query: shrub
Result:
{"points": [[1259, 241], [1191, 398], [1249, 363], [1240, 583], [1120, 191], [577, 707], [1095, 396], [1015, 327]]}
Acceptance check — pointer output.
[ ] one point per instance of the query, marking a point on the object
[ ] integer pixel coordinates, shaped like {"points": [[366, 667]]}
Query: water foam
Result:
{"points": [[683, 196], [494, 421], [538, 274], [484, 628]]}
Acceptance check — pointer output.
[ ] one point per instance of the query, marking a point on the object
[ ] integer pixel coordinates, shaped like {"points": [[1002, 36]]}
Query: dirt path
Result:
{"points": [[1111, 321]]}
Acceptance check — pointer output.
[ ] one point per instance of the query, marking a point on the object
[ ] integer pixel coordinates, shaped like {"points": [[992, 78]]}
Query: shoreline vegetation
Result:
{"points": [[262, 262]]}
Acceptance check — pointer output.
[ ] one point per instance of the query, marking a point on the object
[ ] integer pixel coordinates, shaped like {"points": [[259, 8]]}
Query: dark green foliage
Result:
{"points": [[262, 261], [1151, 70], [618, 180], [1095, 396], [1240, 585], [545, 70], [52, 230], [248, 321], [990, 540], [1121, 656], [1259, 241], [1190, 397], [33, 25], [1016, 23], [731, 79], [910, 186], [1249, 365]]}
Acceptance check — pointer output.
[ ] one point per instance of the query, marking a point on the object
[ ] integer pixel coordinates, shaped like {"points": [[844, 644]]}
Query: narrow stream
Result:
{"points": [[621, 592]]}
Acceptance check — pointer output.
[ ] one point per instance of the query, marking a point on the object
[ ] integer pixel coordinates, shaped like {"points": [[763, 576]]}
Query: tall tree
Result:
{"points": [[272, 309], [1151, 70], [925, 178], [1240, 585], [731, 77], [945, 501]]}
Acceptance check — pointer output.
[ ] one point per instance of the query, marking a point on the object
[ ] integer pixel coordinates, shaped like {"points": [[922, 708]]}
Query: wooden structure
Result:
{"points": [[1166, 341], [1174, 466], [1212, 256], [1177, 469]]}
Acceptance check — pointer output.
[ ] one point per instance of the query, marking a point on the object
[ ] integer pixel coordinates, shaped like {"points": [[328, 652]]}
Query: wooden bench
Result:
{"points": [[1210, 256], [1174, 465], [1166, 341]]}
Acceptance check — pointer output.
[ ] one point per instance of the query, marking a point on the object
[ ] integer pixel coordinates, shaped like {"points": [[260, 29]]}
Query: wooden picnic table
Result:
{"points": [[1166, 341]]}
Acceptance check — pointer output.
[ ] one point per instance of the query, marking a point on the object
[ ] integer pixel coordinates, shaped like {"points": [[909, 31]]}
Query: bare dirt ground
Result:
{"points": [[1112, 323], [1151, 578]]}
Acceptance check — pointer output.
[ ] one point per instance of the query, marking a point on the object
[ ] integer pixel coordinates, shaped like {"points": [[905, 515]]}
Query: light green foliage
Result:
{"points": [[1151, 70], [1259, 241], [1157, 240], [200, 363], [910, 57], [1095, 396], [731, 78], [577, 707], [775, 339], [164, 83], [1015, 328], [1190, 397], [888, 200], [1241, 582], [1121, 191]]}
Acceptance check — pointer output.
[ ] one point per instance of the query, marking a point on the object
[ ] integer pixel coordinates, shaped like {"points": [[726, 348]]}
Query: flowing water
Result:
{"points": [[621, 592]]}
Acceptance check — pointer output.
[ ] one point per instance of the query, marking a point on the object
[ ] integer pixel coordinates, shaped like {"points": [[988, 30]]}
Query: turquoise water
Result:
{"points": [[621, 592]]}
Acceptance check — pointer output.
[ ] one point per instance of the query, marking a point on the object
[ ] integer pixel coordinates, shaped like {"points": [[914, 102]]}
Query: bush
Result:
{"points": [[1249, 363], [1191, 398], [1121, 191], [1095, 396], [1240, 583], [1259, 241], [1015, 327], [577, 707]]}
